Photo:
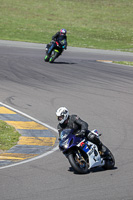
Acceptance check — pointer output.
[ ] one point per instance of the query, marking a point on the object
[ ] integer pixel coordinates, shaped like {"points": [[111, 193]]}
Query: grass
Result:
{"points": [[8, 136], [97, 24], [123, 62]]}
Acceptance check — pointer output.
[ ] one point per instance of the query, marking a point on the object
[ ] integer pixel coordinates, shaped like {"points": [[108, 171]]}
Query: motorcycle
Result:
{"points": [[56, 52], [82, 154]]}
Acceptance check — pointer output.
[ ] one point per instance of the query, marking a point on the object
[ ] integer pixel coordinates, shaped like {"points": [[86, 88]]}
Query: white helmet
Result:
{"points": [[62, 114]]}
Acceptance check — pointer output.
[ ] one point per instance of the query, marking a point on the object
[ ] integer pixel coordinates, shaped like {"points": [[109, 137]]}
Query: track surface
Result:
{"points": [[101, 93]]}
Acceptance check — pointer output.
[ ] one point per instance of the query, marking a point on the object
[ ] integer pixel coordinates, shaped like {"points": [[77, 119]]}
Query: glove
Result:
{"points": [[83, 132], [80, 133], [53, 41], [64, 47]]}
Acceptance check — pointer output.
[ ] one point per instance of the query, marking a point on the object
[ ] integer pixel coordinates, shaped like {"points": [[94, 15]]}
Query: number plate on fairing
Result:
{"points": [[86, 149]]}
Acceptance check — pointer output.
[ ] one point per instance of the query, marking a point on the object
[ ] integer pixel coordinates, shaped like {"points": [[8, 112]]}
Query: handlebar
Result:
{"points": [[60, 45]]}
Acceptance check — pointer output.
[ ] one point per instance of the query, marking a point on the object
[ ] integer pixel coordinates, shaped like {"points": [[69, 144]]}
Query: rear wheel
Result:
{"points": [[109, 160], [78, 162]]}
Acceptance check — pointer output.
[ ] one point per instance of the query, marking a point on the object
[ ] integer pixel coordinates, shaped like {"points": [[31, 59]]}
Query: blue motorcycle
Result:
{"points": [[83, 154]]}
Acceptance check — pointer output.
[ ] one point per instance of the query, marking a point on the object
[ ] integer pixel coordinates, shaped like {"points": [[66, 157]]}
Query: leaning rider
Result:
{"points": [[59, 36], [74, 122]]}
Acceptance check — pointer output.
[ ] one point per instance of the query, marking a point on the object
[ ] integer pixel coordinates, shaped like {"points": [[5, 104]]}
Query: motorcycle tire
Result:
{"points": [[109, 160], [46, 59], [51, 60], [53, 57], [77, 168]]}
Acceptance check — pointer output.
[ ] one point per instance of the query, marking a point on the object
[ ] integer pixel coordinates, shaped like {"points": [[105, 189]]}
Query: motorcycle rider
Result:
{"points": [[59, 36], [80, 126]]}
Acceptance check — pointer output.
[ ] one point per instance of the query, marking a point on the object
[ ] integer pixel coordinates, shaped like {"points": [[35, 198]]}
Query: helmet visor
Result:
{"points": [[62, 33], [60, 117]]}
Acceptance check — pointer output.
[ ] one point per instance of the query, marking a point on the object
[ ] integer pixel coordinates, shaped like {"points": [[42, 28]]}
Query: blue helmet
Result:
{"points": [[63, 31]]}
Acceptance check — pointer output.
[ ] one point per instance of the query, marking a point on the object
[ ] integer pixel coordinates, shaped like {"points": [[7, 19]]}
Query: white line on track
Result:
{"points": [[37, 157]]}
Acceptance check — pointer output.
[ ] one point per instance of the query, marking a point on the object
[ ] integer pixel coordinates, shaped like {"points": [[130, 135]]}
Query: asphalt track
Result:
{"points": [[101, 93]]}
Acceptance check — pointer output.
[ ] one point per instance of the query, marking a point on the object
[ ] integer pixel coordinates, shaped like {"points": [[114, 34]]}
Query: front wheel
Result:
{"points": [[46, 59], [54, 55], [51, 60], [79, 164]]}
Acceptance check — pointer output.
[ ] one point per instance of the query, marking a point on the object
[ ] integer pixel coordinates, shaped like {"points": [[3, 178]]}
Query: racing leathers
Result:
{"points": [[60, 39], [78, 125]]}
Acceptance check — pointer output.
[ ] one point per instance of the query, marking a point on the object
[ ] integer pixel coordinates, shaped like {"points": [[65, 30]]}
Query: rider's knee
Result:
{"points": [[90, 136]]}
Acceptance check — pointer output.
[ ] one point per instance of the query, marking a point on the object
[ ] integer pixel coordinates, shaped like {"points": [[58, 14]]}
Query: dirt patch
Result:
{"points": [[1, 151]]}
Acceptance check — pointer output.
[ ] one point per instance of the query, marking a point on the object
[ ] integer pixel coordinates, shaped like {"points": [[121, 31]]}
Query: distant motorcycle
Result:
{"points": [[83, 154], [56, 52]]}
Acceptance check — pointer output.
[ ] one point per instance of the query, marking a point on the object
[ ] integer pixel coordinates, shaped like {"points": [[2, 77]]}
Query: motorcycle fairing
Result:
{"points": [[95, 159], [56, 50], [95, 132]]}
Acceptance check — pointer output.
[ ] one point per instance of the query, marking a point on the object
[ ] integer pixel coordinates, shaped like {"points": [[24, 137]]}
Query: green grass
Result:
{"points": [[8, 136], [100, 24], [123, 62]]}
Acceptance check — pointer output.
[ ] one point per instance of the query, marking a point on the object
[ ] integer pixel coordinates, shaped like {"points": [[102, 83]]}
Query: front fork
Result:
{"points": [[80, 159]]}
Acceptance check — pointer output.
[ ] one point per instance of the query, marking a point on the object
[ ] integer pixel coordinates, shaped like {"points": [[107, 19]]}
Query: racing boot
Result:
{"points": [[101, 148]]}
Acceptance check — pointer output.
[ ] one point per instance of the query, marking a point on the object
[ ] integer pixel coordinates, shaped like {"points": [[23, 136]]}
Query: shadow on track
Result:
{"points": [[94, 170], [68, 63]]}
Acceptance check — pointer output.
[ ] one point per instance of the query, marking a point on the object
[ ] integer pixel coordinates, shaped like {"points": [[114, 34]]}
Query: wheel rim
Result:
{"points": [[81, 163]]}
